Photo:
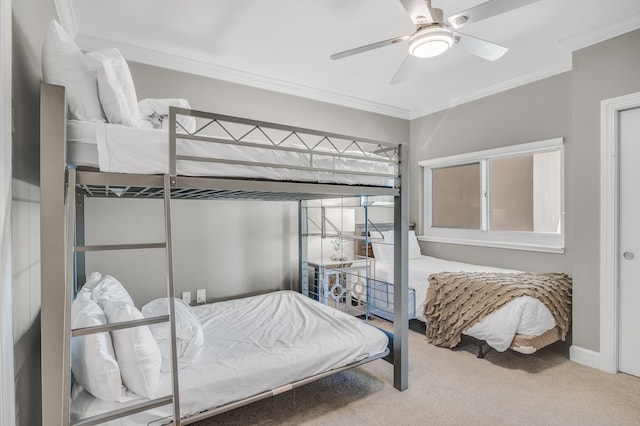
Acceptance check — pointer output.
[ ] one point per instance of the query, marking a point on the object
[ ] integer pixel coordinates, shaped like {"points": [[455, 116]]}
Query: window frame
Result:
{"points": [[550, 242]]}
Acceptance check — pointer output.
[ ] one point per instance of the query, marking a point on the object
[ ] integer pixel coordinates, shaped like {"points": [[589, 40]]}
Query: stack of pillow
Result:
{"points": [[99, 86], [132, 357]]}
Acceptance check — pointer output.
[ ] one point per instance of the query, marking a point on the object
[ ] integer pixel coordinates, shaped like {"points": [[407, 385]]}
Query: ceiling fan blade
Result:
{"points": [[418, 8], [371, 46], [486, 10], [482, 48], [404, 70]]}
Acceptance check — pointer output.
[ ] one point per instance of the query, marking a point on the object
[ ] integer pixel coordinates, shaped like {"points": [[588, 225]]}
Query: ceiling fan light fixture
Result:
{"points": [[430, 42]]}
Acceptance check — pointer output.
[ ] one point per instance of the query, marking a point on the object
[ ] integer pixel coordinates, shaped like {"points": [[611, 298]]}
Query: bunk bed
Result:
{"points": [[186, 165]]}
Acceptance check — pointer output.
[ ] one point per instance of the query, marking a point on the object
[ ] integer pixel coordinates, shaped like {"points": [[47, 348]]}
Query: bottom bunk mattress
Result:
{"points": [[524, 315], [253, 345]]}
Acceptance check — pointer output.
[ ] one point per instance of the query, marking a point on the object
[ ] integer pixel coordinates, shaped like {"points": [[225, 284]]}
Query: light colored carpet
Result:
{"points": [[453, 387]]}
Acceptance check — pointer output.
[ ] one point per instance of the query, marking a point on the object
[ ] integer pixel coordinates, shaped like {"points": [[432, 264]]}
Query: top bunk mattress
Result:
{"points": [[126, 149], [252, 345]]}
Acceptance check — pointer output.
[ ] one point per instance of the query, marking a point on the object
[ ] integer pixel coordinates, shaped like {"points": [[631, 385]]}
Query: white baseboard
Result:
{"points": [[589, 358]]}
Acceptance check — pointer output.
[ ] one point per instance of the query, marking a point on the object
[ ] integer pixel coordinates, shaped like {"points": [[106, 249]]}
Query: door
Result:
{"points": [[629, 291]]}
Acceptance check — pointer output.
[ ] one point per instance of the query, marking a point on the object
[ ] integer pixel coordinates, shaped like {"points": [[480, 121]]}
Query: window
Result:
{"points": [[511, 197]]}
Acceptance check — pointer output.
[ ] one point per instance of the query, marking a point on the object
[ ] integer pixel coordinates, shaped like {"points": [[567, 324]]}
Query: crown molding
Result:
{"points": [[597, 35], [206, 69], [554, 69]]}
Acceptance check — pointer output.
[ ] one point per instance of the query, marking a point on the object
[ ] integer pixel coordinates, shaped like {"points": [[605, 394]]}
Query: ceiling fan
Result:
{"points": [[434, 35]]}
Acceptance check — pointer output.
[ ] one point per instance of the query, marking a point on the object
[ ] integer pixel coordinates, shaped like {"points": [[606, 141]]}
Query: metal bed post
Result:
{"points": [[69, 278], [172, 305], [55, 313], [303, 231], [169, 182], [401, 276], [79, 258]]}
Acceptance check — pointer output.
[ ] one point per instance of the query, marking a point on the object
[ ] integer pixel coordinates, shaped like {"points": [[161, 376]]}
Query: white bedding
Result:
{"points": [[127, 149], [523, 315], [253, 345]]}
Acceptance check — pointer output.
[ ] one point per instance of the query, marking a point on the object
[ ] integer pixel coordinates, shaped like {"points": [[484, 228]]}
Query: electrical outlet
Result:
{"points": [[186, 297], [201, 296]]}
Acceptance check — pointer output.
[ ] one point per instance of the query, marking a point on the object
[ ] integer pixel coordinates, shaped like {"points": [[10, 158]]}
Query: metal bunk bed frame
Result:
{"points": [[63, 191]]}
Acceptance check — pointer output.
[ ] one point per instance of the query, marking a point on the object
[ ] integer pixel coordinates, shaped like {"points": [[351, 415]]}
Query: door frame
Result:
{"points": [[7, 379], [609, 226]]}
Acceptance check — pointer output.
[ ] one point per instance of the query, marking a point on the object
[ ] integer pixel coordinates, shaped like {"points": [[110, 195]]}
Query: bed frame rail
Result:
{"points": [[282, 389], [313, 147]]}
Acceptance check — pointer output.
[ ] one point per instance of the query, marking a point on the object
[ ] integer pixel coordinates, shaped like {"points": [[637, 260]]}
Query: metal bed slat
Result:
{"points": [[91, 182], [108, 247], [282, 166], [123, 412], [369, 156], [118, 325]]}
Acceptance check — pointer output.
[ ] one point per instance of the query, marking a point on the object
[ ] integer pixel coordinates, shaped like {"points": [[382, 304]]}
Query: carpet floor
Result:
{"points": [[453, 387]]}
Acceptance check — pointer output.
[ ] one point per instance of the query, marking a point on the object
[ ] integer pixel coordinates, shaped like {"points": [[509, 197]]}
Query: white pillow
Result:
{"points": [[414, 246], [93, 360], [154, 113], [110, 290], [64, 64], [93, 280], [383, 251], [115, 86], [189, 334], [137, 352]]}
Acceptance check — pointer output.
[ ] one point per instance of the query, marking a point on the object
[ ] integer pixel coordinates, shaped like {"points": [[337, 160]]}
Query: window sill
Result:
{"points": [[495, 244]]}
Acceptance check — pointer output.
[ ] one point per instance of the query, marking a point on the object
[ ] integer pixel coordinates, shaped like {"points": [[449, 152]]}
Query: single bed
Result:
{"points": [[524, 324], [253, 345]]}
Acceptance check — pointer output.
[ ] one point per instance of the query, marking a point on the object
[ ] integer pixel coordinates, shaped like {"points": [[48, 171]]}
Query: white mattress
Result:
{"points": [[126, 149], [253, 345], [523, 315]]}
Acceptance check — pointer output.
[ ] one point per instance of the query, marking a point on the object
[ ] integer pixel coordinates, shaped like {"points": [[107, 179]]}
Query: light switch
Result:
{"points": [[186, 297], [201, 296]]}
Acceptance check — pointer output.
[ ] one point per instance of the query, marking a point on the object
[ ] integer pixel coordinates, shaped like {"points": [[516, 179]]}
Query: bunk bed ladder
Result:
{"points": [[75, 250]]}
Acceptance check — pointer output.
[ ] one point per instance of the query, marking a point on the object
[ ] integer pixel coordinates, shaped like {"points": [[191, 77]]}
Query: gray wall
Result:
{"points": [[536, 111], [226, 247], [242, 101], [30, 21], [600, 72], [564, 105]]}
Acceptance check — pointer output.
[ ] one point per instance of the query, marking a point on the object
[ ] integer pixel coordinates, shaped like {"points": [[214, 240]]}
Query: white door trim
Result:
{"points": [[7, 380], [609, 209]]}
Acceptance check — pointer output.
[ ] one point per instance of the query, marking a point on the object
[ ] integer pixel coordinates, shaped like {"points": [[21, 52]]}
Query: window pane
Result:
{"points": [[524, 193], [456, 197], [547, 192]]}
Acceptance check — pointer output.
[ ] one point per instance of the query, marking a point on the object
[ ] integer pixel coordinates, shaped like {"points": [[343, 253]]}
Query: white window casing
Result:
{"points": [[551, 242]]}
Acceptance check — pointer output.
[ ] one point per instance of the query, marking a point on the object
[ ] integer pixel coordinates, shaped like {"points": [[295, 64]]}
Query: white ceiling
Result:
{"points": [[285, 45]]}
